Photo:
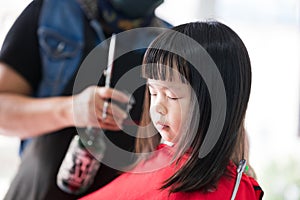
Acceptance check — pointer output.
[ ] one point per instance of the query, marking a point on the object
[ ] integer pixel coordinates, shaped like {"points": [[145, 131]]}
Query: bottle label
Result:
{"points": [[77, 170]]}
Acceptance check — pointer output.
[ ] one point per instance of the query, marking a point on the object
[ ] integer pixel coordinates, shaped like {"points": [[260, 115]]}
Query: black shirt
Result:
{"points": [[20, 49]]}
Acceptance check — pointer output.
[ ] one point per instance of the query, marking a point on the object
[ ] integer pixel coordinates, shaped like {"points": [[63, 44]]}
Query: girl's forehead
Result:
{"points": [[176, 84]]}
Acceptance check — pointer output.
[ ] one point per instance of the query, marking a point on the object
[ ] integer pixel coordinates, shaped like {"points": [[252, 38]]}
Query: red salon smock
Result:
{"points": [[140, 186]]}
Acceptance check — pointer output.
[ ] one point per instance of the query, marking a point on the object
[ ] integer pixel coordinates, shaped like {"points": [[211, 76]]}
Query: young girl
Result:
{"points": [[198, 86]]}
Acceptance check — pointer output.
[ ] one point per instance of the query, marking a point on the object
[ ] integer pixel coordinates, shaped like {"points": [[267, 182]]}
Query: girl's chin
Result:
{"points": [[166, 134], [166, 137]]}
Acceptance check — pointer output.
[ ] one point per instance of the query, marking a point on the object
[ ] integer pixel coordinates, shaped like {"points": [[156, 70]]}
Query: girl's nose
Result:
{"points": [[159, 108]]}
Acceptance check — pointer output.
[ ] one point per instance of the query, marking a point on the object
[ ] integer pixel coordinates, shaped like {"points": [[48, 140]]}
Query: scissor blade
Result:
{"points": [[110, 60]]}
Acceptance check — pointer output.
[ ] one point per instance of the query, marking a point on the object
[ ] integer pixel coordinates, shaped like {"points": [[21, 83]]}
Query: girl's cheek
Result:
{"points": [[152, 113]]}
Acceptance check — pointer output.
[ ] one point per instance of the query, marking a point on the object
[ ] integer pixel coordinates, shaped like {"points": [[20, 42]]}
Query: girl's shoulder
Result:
{"points": [[248, 188], [248, 184]]}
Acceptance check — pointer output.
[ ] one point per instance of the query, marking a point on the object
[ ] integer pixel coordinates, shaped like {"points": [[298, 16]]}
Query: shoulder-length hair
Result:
{"points": [[231, 58]]}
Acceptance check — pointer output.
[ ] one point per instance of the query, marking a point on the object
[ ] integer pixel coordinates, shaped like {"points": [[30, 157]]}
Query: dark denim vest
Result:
{"points": [[61, 40]]}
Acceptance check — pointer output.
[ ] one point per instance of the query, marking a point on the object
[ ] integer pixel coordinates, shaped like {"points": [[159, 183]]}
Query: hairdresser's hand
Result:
{"points": [[88, 108]]}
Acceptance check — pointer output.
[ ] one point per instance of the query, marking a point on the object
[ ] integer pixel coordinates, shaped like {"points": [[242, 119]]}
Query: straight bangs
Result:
{"points": [[160, 64]]}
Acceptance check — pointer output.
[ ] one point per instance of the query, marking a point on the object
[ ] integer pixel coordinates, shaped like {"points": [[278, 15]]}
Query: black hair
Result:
{"points": [[230, 56]]}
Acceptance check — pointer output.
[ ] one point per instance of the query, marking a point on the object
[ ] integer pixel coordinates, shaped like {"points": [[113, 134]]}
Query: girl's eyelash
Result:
{"points": [[173, 98], [152, 93]]}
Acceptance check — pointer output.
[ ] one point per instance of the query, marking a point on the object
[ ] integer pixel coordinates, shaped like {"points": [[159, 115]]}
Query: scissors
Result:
{"points": [[108, 71], [91, 132], [241, 168]]}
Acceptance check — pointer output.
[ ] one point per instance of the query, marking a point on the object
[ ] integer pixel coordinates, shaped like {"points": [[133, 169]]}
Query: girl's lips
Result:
{"points": [[161, 126]]}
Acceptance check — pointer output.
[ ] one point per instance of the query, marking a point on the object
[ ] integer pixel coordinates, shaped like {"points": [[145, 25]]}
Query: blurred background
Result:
{"points": [[270, 30]]}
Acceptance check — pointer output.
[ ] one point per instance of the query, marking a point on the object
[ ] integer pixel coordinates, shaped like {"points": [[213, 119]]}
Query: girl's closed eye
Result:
{"points": [[173, 98], [169, 96]]}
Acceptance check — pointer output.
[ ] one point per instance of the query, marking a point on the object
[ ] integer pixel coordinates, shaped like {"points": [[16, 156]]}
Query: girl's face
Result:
{"points": [[169, 107]]}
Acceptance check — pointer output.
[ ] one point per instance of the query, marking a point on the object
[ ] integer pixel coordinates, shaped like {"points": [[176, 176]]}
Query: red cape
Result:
{"points": [[137, 186]]}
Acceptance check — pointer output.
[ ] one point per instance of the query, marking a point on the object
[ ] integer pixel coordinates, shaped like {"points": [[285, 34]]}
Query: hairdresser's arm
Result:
{"points": [[24, 116]]}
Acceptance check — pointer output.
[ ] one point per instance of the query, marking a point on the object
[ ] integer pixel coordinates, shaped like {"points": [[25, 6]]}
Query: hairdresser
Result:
{"points": [[39, 60]]}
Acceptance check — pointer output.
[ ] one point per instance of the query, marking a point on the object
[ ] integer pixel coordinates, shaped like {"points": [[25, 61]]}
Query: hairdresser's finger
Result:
{"points": [[113, 110], [109, 93], [109, 119], [104, 124], [116, 112]]}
